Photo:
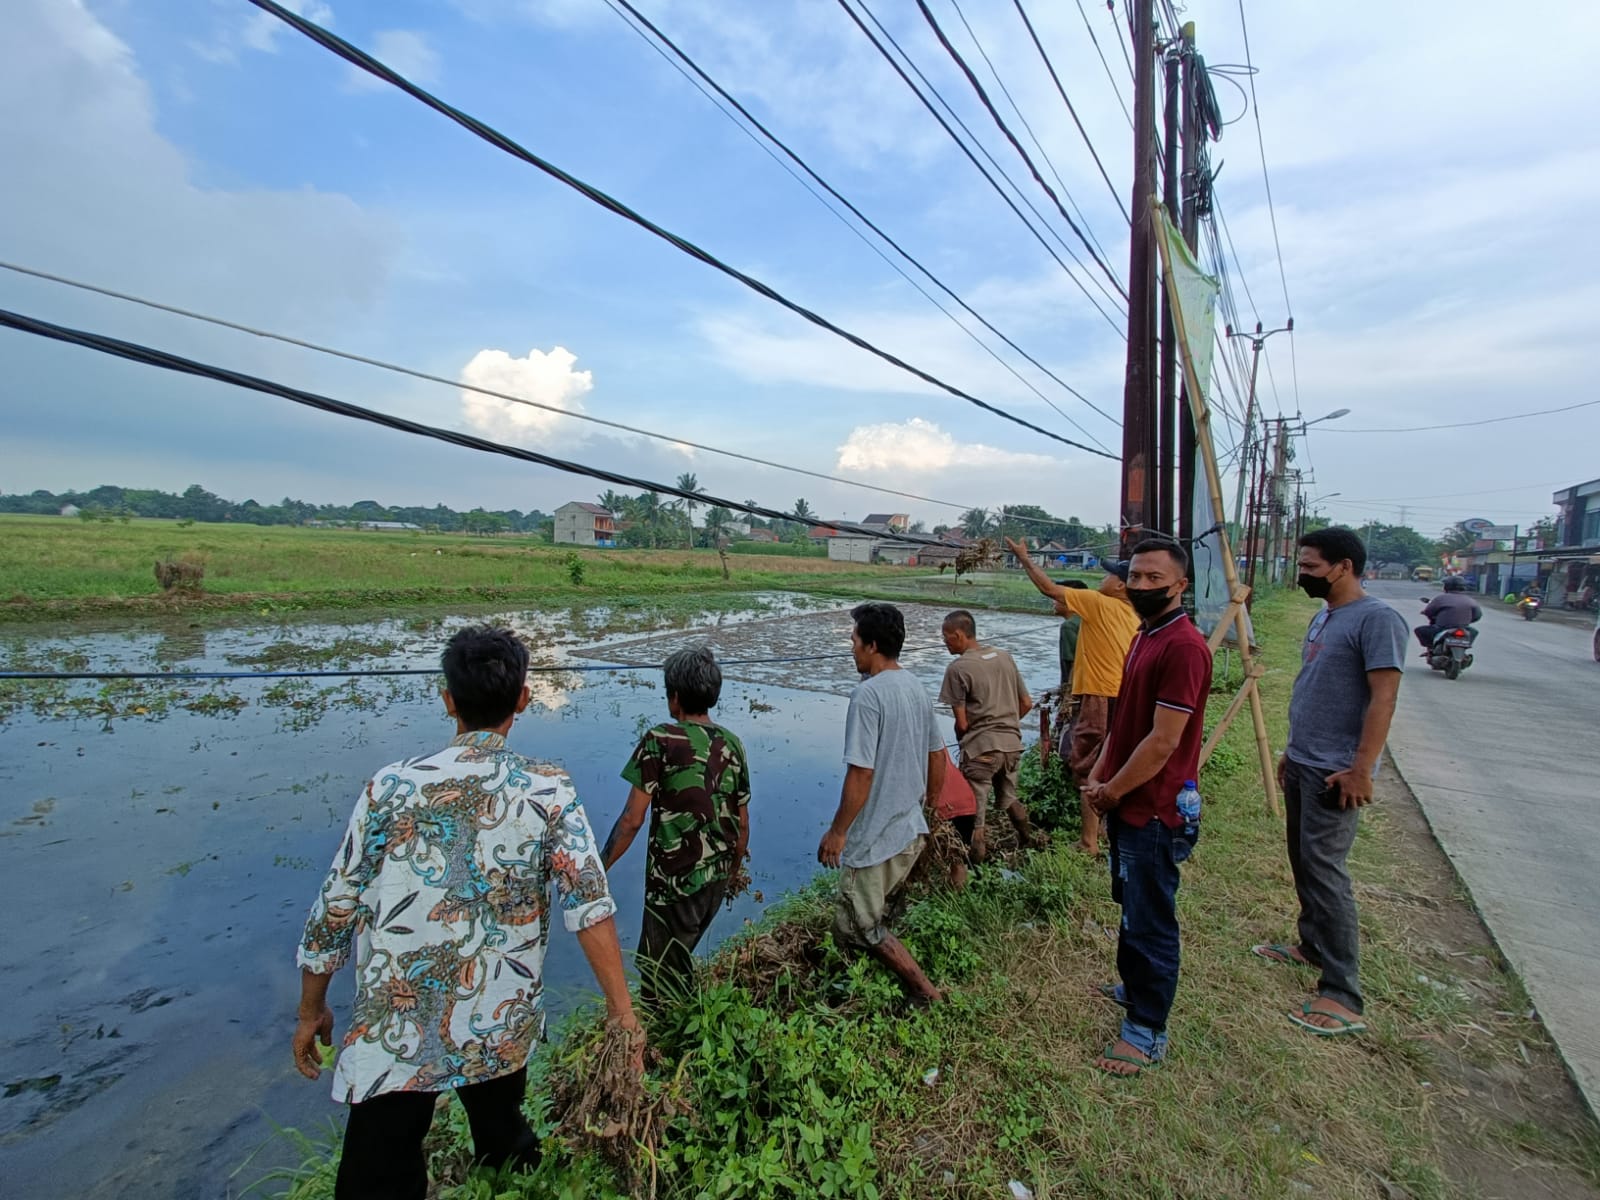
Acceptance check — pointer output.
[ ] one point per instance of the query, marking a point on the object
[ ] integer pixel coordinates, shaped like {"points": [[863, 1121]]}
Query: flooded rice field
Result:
{"points": [[160, 842]]}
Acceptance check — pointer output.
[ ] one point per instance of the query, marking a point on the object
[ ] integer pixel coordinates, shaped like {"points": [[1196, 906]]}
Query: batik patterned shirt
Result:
{"points": [[698, 780], [441, 887]]}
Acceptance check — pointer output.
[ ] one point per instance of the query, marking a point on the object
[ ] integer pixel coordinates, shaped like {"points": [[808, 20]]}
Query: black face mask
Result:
{"points": [[1149, 602], [1318, 587]]}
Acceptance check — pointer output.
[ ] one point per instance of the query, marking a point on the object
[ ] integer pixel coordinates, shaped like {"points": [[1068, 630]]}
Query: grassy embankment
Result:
{"points": [[64, 567], [809, 1078]]}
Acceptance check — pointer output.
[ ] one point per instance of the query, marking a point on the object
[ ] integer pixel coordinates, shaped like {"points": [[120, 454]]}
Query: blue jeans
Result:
{"points": [[1144, 881]]}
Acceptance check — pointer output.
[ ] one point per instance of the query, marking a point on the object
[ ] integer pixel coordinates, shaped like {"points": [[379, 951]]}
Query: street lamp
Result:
{"points": [[1333, 416]]}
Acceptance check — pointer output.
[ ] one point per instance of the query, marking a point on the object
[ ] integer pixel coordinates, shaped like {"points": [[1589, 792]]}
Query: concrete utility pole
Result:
{"points": [[1170, 367], [1275, 498], [1258, 339], [1139, 383], [1194, 134]]}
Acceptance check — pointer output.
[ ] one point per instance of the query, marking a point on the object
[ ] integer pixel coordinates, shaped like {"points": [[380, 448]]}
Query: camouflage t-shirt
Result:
{"points": [[698, 779]]}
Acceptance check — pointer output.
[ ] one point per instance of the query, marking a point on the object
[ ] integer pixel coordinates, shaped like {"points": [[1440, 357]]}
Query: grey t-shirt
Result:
{"points": [[1331, 693], [891, 729]]}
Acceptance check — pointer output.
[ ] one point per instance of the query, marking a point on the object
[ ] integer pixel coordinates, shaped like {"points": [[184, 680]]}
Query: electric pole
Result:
{"points": [[1139, 382], [1258, 339], [1194, 135], [1275, 499], [1170, 367]]}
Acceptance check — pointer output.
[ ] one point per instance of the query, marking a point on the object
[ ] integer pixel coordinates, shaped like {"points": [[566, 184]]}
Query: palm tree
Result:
{"points": [[612, 502], [717, 519], [688, 483], [803, 510], [975, 523]]}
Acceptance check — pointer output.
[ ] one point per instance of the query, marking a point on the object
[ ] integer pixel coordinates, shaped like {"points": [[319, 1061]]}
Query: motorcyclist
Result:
{"points": [[1453, 609]]}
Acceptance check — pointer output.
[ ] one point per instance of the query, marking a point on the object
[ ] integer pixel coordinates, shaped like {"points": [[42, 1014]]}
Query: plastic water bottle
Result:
{"points": [[1189, 808]]}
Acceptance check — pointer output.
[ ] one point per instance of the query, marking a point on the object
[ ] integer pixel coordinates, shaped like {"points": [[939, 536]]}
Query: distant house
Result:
{"points": [[762, 535], [849, 547], [819, 534], [579, 523], [388, 526], [898, 522]]}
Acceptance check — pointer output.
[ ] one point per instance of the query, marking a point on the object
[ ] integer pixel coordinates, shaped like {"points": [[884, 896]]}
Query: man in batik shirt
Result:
{"points": [[692, 778], [441, 887]]}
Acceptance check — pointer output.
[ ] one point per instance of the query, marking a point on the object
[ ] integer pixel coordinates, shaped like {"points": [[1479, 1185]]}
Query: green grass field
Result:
{"points": [[53, 566], [821, 1085]]}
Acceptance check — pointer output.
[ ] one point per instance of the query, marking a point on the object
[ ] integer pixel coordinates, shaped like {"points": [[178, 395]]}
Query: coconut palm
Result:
{"points": [[688, 483], [975, 523], [612, 502]]}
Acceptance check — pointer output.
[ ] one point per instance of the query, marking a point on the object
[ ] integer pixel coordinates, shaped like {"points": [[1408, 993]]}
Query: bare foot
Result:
{"points": [[1124, 1060]]}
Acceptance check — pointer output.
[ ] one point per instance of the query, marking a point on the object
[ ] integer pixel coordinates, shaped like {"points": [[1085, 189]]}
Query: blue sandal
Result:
{"points": [[1345, 1028]]}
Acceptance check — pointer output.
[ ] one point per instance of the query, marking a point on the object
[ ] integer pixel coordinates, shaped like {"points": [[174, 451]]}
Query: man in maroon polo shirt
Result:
{"points": [[1152, 748]]}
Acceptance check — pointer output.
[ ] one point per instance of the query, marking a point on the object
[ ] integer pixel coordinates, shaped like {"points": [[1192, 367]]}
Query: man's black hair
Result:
{"points": [[961, 620], [1335, 544], [1172, 549], [1073, 583], [485, 669], [880, 625], [693, 676]]}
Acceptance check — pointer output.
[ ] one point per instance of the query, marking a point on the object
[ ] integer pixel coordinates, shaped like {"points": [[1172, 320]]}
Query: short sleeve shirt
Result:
{"points": [[890, 729], [986, 683], [698, 780], [1331, 693], [1108, 628], [1453, 608], [1169, 666]]}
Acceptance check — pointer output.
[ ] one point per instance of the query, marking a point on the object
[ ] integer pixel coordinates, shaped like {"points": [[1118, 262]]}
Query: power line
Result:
{"points": [[413, 373], [945, 125], [1032, 136], [1543, 412], [994, 114], [363, 60], [1110, 78], [1272, 212], [135, 352], [1056, 79], [867, 221]]}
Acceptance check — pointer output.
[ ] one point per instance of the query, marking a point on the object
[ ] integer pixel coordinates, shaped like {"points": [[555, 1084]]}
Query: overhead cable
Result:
{"points": [[1110, 78], [1543, 412], [1065, 99], [135, 352], [865, 220], [413, 373], [1022, 153], [1272, 212], [962, 145], [361, 59], [1027, 126]]}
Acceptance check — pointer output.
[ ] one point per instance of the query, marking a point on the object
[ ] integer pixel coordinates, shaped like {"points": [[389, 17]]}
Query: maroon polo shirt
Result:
{"points": [[1168, 666]]}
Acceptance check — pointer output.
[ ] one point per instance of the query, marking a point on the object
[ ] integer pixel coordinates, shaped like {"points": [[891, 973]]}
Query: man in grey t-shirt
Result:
{"points": [[1339, 714], [894, 765]]}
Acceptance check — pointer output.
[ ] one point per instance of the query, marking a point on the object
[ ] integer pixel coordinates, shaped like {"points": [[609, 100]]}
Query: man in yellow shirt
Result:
{"points": [[1109, 626]]}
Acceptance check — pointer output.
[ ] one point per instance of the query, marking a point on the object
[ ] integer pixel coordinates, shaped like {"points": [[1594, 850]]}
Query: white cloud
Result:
{"points": [[404, 51], [255, 29], [919, 447], [547, 378]]}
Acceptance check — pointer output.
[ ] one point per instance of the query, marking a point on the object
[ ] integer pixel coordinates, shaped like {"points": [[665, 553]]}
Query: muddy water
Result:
{"points": [[159, 846]]}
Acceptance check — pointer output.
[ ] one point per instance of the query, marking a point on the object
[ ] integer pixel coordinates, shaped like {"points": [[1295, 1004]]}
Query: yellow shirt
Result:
{"points": [[1109, 626]]}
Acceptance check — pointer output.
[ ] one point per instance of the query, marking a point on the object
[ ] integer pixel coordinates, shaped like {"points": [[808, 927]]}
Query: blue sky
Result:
{"points": [[202, 155]]}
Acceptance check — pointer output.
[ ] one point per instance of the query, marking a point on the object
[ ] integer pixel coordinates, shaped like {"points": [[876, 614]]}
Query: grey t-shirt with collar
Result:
{"points": [[1331, 693]]}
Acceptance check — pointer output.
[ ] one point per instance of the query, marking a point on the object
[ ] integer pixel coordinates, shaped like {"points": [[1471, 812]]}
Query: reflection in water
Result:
{"points": [[159, 864]]}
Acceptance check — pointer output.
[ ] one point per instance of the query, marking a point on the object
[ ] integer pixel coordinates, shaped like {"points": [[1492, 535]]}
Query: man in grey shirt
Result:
{"points": [[894, 765], [1339, 716]]}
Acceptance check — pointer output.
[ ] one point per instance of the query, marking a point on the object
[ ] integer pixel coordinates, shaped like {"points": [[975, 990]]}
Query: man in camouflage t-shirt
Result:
{"points": [[692, 778]]}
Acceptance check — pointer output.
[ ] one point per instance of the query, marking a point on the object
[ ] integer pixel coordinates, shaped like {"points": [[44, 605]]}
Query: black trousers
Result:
{"points": [[667, 939], [383, 1159]]}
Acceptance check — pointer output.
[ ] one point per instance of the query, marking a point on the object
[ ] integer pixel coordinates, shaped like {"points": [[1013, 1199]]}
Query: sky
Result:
{"points": [[1430, 179]]}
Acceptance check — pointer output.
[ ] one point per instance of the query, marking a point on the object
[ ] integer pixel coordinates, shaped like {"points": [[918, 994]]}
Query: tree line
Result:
{"points": [[195, 503]]}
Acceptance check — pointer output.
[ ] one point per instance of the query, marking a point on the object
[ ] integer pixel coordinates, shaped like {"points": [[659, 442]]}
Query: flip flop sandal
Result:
{"points": [[1280, 952], [1109, 991], [1345, 1028], [1144, 1064]]}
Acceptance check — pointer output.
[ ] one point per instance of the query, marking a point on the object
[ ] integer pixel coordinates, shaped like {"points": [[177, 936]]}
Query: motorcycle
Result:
{"points": [[1451, 651], [1528, 606]]}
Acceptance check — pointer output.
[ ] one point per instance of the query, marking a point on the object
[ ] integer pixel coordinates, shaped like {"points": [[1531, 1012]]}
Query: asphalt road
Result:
{"points": [[1505, 762]]}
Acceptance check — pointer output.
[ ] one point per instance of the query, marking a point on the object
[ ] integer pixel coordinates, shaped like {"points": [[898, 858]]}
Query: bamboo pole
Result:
{"points": [[1208, 456]]}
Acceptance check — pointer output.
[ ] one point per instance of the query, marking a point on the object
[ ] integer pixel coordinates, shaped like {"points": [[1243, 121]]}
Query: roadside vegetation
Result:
{"points": [[794, 1071]]}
